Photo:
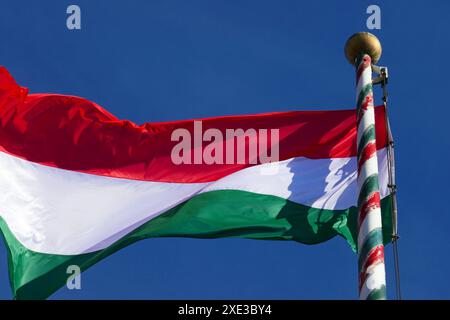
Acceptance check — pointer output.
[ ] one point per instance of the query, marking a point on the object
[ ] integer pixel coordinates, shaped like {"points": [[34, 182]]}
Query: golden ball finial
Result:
{"points": [[362, 42]]}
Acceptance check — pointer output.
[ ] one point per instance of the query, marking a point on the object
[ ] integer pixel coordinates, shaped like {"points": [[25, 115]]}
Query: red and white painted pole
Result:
{"points": [[361, 50]]}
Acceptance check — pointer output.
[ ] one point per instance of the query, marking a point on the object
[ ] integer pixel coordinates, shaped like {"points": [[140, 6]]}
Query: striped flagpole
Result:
{"points": [[372, 278]]}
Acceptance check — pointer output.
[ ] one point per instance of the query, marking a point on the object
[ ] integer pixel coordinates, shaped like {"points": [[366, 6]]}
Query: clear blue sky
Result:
{"points": [[166, 60]]}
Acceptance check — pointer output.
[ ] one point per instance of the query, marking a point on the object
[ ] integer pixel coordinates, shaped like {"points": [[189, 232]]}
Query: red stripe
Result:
{"points": [[372, 202], [367, 153], [368, 101], [376, 256], [75, 134], [363, 66]]}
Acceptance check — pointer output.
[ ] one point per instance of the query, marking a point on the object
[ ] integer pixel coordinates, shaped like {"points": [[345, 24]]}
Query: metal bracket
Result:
{"points": [[383, 75]]}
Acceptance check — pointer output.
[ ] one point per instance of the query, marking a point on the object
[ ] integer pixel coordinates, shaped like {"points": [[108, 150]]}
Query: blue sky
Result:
{"points": [[167, 60]]}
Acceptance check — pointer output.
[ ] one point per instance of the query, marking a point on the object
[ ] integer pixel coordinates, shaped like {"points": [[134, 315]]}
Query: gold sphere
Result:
{"points": [[362, 42]]}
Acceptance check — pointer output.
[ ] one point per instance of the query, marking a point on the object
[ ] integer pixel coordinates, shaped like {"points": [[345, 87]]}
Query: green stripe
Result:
{"points": [[373, 239], [378, 294], [214, 214], [365, 90], [369, 186], [368, 135]]}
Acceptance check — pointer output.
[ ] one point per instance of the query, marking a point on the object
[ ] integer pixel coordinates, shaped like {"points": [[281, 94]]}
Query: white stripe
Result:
{"points": [[369, 168], [375, 280], [58, 211], [367, 119], [369, 225], [365, 78], [323, 183]]}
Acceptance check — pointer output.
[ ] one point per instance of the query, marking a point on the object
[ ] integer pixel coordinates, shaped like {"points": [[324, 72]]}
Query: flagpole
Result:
{"points": [[362, 49]]}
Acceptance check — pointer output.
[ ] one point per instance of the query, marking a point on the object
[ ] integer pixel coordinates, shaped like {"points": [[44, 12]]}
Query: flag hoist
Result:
{"points": [[362, 49]]}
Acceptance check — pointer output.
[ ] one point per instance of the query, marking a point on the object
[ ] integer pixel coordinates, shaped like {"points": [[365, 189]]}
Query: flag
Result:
{"points": [[78, 184]]}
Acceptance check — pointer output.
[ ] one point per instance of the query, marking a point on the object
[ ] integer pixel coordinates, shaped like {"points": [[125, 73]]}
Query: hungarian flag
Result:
{"points": [[77, 184]]}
